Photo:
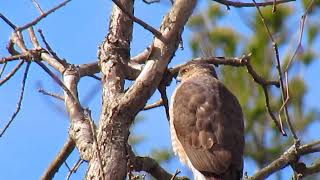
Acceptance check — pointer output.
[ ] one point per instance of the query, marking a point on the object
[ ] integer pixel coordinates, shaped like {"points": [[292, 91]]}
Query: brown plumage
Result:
{"points": [[206, 124]]}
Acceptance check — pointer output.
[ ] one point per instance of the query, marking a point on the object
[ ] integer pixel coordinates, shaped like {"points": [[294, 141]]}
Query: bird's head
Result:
{"points": [[195, 68]]}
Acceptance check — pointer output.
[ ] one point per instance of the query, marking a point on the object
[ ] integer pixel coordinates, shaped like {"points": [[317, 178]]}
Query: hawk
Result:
{"points": [[206, 124]]}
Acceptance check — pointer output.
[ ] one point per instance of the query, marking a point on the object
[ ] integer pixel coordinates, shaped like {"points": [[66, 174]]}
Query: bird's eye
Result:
{"points": [[183, 71]]}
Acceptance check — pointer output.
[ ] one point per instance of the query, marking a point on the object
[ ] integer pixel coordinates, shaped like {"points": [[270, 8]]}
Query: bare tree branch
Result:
{"points": [[59, 159], [283, 92], [245, 4], [113, 130], [36, 4], [289, 157], [57, 96], [143, 56], [150, 166], [52, 53], [80, 128], [301, 29], [150, 1], [161, 54], [154, 105], [8, 21], [142, 23], [95, 142], [3, 68], [74, 168], [11, 73], [24, 79], [39, 18], [57, 80]]}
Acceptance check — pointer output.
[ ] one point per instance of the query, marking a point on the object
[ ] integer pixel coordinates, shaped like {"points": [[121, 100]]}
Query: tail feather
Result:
{"points": [[231, 174]]}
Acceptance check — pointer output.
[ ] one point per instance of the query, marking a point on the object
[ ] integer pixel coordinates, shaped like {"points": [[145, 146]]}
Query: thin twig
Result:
{"points": [[58, 81], [39, 18], [175, 174], [245, 4], [3, 68], [57, 96], [11, 73], [287, 98], [74, 168], [8, 21], [150, 1], [33, 38], [37, 6], [48, 46], [25, 75], [14, 57], [66, 164], [154, 31], [301, 29], [283, 93], [154, 105]]}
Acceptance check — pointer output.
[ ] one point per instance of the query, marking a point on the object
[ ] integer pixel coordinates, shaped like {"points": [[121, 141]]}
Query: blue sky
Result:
{"points": [[74, 32]]}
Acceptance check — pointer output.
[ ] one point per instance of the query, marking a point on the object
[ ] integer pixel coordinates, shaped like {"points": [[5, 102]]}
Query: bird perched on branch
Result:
{"points": [[206, 124]]}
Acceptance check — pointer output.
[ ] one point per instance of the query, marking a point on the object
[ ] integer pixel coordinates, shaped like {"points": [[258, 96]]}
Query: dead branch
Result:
{"points": [[80, 129], [24, 79], [3, 68], [140, 22], [8, 21], [154, 105], [57, 96], [143, 56], [48, 47], [11, 73], [14, 57], [39, 18], [89, 69], [150, 166], [74, 168], [289, 157], [283, 92], [175, 174], [301, 29], [33, 38], [150, 1], [151, 75], [59, 159], [57, 80], [36, 4], [244, 4], [114, 55]]}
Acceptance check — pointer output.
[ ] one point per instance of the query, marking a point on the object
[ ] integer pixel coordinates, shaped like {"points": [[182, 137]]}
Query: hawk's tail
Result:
{"points": [[231, 174]]}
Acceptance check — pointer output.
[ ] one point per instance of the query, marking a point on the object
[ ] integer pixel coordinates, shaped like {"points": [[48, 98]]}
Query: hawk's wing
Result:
{"points": [[208, 123]]}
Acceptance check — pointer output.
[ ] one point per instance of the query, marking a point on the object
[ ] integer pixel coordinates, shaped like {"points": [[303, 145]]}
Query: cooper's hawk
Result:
{"points": [[206, 124]]}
